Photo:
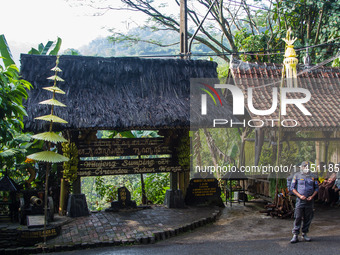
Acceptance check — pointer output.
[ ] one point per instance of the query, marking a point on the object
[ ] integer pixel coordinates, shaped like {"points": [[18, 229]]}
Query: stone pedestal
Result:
{"points": [[77, 206], [174, 199]]}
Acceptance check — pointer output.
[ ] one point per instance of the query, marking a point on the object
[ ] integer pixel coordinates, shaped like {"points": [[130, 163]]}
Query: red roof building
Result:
{"points": [[323, 83]]}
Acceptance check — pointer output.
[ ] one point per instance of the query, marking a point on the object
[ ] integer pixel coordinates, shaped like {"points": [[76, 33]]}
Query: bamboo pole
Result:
{"points": [[278, 151]]}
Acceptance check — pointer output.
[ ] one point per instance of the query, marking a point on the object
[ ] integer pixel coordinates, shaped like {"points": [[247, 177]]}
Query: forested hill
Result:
{"points": [[137, 43]]}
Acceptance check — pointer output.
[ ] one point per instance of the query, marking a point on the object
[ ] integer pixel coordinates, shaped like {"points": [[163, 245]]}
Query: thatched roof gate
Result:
{"points": [[115, 93]]}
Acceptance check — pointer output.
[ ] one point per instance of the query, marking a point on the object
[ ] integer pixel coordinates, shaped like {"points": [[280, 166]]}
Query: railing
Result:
{"points": [[258, 186]]}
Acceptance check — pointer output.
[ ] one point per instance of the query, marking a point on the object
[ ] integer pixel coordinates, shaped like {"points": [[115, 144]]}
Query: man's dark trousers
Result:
{"points": [[304, 212]]}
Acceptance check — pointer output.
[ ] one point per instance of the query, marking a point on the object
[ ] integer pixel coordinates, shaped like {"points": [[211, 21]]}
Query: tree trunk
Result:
{"points": [[211, 146]]}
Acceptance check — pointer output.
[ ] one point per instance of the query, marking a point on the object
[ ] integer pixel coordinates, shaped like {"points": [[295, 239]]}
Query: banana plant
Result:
{"points": [[43, 49], [13, 90]]}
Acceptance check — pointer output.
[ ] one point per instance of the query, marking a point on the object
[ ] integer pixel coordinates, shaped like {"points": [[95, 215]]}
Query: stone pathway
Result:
{"points": [[122, 228], [131, 226]]}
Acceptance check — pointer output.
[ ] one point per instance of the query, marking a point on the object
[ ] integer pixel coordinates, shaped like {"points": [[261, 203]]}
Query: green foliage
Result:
{"points": [[288, 156], [44, 49], [246, 41], [102, 190], [267, 156], [226, 139], [336, 62], [72, 52], [306, 149], [222, 72], [106, 191], [183, 152], [313, 22], [13, 89], [281, 184], [155, 187], [5, 52], [106, 134], [13, 152]]}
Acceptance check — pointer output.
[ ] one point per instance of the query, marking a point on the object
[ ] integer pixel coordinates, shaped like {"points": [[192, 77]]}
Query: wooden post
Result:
{"points": [[326, 153], [327, 136], [244, 134], [183, 29], [63, 184], [184, 179], [48, 165], [76, 186], [173, 181], [62, 199], [144, 200]]}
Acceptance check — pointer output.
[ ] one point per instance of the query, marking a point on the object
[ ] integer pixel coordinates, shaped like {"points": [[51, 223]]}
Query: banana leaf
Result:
{"points": [[22, 138], [50, 137], [5, 52], [54, 89], [34, 52], [9, 153], [53, 102], [40, 47], [46, 48], [48, 156], [51, 117], [56, 49]]}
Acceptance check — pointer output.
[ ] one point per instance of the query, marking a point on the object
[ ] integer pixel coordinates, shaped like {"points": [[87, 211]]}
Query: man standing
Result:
{"points": [[305, 187]]}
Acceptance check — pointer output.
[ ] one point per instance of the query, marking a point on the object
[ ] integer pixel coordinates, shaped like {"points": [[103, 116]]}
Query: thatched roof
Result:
{"points": [[114, 93]]}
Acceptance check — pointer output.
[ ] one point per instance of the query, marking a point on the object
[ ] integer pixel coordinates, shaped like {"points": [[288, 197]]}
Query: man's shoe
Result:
{"points": [[295, 239], [306, 238]]}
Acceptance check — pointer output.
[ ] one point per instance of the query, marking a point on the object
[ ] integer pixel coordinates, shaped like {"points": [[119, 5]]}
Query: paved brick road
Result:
{"points": [[131, 226]]}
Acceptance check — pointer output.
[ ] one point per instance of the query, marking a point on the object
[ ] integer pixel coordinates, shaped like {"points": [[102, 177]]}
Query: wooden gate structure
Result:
{"points": [[128, 156], [120, 94]]}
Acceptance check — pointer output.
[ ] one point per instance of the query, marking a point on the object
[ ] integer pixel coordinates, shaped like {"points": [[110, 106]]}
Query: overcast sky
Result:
{"points": [[26, 23], [36, 21]]}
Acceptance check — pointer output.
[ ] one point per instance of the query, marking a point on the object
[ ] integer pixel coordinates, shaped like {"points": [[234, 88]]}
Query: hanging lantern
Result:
{"points": [[290, 60]]}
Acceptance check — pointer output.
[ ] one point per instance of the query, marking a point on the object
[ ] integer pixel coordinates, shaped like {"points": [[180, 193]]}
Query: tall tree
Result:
{"points": [[237, 25]]}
